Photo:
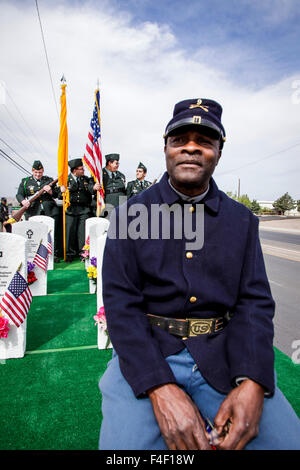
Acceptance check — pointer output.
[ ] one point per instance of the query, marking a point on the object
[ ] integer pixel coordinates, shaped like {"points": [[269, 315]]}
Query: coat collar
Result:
{"points": [[211, 200]]}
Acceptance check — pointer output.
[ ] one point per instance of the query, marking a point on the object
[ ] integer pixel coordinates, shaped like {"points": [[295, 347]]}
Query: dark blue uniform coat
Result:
{"points": [[155, 276]]}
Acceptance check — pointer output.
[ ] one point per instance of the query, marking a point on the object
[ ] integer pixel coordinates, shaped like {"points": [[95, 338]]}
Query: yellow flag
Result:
{"points": [[62, 158]]}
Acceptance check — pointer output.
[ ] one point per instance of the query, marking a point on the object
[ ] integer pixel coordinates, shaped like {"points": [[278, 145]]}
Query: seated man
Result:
{"points": [[139, 184], [191, 323]]}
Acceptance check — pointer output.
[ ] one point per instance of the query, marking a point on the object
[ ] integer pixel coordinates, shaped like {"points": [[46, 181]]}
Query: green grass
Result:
{"points": [[50, 398]]}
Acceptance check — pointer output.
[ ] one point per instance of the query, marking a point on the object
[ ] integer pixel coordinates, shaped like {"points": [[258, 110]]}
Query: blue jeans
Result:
{"points": [[129, 423]]}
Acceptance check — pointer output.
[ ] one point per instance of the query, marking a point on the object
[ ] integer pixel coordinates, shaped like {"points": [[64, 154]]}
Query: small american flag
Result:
{"points": [[17, 299], [49, 244], [93, 156], [41, 257]]}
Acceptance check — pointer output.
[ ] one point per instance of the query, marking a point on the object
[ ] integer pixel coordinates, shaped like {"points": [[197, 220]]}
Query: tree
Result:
{"points": [[298, 205], [244, 199], [255, 207], [284, 203]]}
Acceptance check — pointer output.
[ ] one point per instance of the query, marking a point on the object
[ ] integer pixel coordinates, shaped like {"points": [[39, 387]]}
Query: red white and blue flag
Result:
{"points": [[17, 299], [93, 155], [41, 257], [49, 244]]}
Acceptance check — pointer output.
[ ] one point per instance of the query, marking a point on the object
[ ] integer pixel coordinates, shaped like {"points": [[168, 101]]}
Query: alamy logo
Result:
{"points": [[160, 222], [296, 353]]}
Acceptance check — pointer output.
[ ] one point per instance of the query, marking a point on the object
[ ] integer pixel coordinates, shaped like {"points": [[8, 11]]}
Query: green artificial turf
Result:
{"points": [[52, 401], [288, 378], [58, 321], [50, 398]]}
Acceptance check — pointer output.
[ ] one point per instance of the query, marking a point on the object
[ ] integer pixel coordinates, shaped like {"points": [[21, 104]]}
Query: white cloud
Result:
{"points": [[143, 73]]}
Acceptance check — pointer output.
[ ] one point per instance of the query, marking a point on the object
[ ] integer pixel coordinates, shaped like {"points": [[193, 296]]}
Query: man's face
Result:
{"points": [[113, 165], [140, 174], [37, 174], [78, 171], [191, 158]]}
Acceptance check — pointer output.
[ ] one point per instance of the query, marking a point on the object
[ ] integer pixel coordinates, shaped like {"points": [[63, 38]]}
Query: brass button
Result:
{"points": [[189, 254], [191, 209], [193, 299]]}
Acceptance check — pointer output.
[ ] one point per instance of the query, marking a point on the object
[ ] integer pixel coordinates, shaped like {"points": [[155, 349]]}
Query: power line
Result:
{"points": [[45, 49], [18, 125], [259, 160], [15, 152], [33, 134], [13, 162]]}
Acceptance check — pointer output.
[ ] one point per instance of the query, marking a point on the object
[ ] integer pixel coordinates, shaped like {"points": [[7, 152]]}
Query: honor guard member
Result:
{"points": [[4, 215], [81, 189], [45, 204], [191, 323], [138, 185], [114, 182]]}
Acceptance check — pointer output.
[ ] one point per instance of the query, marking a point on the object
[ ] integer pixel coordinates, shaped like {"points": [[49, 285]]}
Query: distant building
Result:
{"points": [[268, 205]]}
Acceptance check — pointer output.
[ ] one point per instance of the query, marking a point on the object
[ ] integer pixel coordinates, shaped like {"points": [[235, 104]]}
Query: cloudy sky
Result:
{"points": [[147, 56]]}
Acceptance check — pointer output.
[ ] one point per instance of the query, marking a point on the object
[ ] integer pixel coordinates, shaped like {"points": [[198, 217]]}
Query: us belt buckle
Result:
{"points": [[201, 326]]}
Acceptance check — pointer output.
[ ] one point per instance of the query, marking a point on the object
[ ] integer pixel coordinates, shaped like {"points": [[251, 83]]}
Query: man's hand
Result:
{"points": [[178, 418], [243, 407], [96, 187], [25, 203], [63, 189], [47, 188]]}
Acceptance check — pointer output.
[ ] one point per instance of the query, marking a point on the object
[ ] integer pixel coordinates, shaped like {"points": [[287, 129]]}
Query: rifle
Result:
{"points": [[18, 215], [153, 182]]}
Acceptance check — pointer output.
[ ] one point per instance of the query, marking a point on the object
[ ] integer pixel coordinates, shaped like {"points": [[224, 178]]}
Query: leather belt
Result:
{"points": [[189, 327], [112, 191]]}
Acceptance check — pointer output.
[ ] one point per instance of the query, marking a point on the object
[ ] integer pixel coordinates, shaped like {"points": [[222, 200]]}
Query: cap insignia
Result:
{"points": [[199, 105], [196, 119]]}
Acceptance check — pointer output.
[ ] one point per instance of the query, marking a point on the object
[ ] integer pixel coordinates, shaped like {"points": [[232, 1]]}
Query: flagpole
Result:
{"points": [[63, 157], [64, 225], [98, 193]]}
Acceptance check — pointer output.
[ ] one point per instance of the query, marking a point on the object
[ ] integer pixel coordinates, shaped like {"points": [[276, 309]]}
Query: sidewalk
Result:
{"points": [[281, 225]]}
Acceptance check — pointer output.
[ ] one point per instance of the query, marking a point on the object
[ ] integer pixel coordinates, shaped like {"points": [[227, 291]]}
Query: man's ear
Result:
{"points": [[219, 156]]}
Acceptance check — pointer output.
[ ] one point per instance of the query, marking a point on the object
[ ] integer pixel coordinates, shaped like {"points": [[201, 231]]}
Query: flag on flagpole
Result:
{"points": [[93, 155], [41, 257], [17, 299], [62, 158], [49, 244]]}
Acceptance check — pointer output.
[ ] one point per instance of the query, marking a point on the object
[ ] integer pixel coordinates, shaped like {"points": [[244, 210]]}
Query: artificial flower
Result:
{"points": [[31, 278], [100, 320], [92, 272], [94, 261], [4, 328]]}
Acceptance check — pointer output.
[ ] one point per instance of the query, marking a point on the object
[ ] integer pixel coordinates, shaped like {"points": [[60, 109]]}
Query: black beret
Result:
{"points": [[199, 112], [37, 165], [142, 166], [75, 163]]}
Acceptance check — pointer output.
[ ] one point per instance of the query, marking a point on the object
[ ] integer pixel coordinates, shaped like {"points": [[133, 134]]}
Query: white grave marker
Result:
{"points": [[96, 229], [102, 337], [35, 233], [12, 254], [49, 221], [88, 224]]}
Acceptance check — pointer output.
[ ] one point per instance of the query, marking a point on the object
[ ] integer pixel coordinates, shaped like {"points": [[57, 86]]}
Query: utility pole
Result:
{"points": [[239, 188]]}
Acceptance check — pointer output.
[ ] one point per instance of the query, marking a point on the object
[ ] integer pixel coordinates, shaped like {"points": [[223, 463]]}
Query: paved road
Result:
{"points": [[289, 238], [282, 259], [284, 278]]}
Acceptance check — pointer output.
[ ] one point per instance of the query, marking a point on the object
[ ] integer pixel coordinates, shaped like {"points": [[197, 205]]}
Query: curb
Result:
{"points": [[277, 229]]}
